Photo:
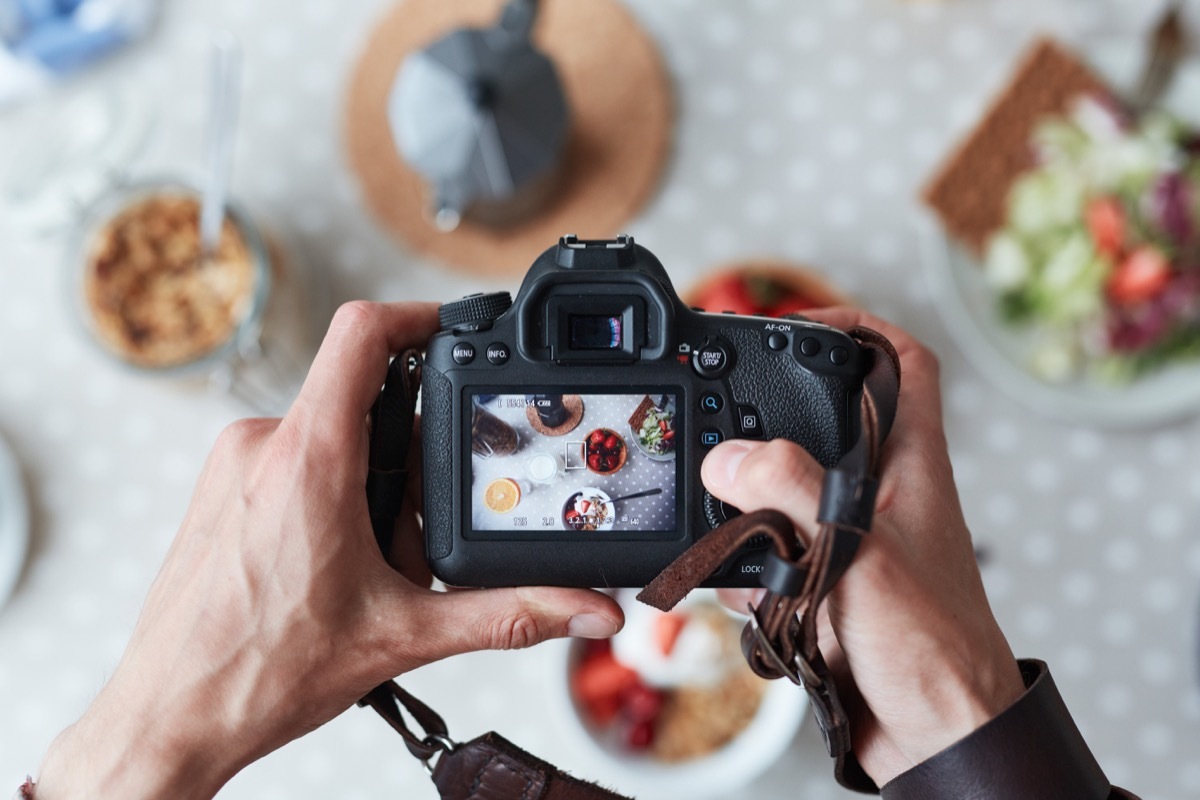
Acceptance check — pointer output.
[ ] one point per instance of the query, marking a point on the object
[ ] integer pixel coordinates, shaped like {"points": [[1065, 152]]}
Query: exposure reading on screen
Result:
{"points": [[592, 463]]}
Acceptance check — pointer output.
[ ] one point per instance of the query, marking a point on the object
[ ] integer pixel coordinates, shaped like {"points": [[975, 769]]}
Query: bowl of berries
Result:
{"points": [[764, 288], [668, 708], [605, 451]]}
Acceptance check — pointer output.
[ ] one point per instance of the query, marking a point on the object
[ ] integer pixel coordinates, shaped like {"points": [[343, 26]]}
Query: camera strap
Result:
{"points": [[780, 640]]}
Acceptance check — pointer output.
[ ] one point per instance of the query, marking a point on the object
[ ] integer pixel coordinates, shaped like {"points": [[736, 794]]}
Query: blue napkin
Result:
{"points": [[42, 39]]}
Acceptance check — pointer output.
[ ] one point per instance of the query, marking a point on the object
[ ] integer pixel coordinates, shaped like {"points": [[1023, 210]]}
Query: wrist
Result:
{"points": [[963, 691], [119, 750]]}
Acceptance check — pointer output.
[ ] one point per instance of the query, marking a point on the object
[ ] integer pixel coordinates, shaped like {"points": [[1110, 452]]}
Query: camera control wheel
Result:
{"points": [[474, 312]]}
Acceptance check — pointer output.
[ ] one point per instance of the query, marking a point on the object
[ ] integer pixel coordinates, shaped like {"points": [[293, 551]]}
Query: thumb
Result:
{"points": [[756, 475], [507, 619]]}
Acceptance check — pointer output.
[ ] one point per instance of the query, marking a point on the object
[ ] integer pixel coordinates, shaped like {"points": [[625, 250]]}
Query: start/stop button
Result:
{"points": [[710, 361]]}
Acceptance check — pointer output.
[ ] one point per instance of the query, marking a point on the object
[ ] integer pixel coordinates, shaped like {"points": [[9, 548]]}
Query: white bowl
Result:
{"points": [[723, 771]]}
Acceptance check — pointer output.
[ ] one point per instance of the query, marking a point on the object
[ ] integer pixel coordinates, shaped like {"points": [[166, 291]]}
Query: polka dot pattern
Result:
{"points": [[805, 131]]}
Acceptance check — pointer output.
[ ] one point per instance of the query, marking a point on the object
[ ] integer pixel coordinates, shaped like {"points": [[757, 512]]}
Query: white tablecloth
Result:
{"points": [[804, 130]]}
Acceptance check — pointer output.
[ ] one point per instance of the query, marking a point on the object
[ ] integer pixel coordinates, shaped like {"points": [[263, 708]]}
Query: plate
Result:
{"points": [[590, 491], [636, 438], [14, 523], [969, 310]]}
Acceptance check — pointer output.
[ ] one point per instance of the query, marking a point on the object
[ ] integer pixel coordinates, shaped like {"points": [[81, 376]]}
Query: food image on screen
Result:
{"points": [[615, 472]]}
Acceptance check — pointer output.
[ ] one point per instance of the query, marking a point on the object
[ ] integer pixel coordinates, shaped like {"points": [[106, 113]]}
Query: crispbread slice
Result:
{"points": [[970, 189]]}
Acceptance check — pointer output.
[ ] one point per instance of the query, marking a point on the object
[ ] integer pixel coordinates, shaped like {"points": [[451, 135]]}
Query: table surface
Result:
{"points": [[804, 131]]}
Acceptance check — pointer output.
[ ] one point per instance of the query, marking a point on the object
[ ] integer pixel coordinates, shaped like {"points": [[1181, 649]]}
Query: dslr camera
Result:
{"points": [[563, 431]]}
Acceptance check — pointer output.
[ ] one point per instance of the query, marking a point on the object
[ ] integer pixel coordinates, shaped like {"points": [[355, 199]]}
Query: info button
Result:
{"points": [[497, 353]]}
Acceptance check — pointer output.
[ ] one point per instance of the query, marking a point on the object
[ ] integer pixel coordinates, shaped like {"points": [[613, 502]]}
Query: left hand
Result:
{"points": [[274, 610]]}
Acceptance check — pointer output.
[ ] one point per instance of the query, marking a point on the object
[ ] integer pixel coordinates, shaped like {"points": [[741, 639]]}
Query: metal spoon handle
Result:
{"points": [[647, 493], [225, 86]]}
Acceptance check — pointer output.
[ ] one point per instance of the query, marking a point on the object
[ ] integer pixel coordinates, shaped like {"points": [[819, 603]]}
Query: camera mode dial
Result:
{"points": [[474, 310]]}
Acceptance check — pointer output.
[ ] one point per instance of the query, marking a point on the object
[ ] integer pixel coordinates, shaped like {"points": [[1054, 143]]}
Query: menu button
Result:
{"points": [[463, 353]]}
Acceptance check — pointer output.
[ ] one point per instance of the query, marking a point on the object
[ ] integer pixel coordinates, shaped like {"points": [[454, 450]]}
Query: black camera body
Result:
{"points": [[542, 416]]}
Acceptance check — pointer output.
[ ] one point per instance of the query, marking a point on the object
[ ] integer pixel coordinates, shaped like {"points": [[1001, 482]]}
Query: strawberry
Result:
{"points": [[612, 443], [595, 648], [1140, 277], [1105, 220], [792, 303], [603, 710], [601, 679], [594, 462], [596, 437], [727, 293], [666, 631], [584, 505], [640, 736], [640, 703]]}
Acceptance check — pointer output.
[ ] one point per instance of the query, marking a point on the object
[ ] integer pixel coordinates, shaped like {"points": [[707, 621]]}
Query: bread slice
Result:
{"points": [[969, 191]]}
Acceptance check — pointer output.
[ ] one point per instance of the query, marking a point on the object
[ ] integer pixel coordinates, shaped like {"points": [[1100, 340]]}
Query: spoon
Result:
{"points": [[226, 82]]}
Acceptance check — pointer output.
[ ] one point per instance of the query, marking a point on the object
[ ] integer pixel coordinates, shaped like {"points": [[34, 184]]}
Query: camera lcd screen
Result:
{"points": [[557, 465], [596, 332]]}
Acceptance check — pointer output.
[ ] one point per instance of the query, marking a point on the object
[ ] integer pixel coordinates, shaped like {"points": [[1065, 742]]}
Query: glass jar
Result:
{"points": [[145, 296]]}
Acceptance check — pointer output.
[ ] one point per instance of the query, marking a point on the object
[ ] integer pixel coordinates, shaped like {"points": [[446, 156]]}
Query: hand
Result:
{"points": [[917, 655], [274, 610]]}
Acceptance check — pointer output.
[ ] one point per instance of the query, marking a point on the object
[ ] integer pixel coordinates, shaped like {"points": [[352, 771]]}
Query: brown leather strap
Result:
{"points": [[1032, 750], [493, 768], [781, 638]]}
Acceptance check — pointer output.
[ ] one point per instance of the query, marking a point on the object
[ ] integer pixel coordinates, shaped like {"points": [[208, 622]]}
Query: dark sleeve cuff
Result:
{"points": [[1032, 750]]}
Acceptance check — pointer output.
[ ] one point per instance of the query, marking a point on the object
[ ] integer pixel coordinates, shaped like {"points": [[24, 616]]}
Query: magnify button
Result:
{"points": [[711, 403]]}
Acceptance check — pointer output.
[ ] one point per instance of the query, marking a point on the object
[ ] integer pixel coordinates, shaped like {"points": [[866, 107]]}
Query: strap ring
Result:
{"points": [[440, 742]]}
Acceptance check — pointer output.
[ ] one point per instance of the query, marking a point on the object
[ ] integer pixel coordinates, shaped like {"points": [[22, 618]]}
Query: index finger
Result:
{"points": [[351, 365]]}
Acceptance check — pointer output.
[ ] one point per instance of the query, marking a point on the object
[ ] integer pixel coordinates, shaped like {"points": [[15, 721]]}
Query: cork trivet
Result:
{"points": [[621, 110], [574, 405], [969, 193]]}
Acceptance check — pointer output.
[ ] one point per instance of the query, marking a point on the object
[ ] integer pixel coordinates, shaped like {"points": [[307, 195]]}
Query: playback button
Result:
{"points": [[711, 437]]}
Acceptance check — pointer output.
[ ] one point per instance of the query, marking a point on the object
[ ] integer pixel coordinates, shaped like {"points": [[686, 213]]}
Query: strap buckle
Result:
{"points": [[754, 639]]}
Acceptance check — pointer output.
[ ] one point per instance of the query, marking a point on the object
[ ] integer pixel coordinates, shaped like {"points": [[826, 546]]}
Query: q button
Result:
{"points": [[711, 403]]}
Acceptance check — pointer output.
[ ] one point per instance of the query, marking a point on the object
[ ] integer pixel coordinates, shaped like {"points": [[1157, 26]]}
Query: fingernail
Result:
{"points": [[728, 458], [591, 626]]}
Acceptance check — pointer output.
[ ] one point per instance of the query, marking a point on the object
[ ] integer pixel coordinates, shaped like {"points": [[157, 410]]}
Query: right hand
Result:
{"points": [[916, 652]]}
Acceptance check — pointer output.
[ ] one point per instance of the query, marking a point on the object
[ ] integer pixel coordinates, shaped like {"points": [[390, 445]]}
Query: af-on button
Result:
{"points": [[710, 361]]}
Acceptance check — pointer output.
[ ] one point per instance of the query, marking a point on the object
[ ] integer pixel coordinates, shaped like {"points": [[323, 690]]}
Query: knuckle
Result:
{"points": [[925, 360], [515, 631], [237, 437], [354, 315], [776, 462]]}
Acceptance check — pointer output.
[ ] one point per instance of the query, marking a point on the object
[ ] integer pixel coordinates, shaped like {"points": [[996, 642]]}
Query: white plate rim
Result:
{"points": [[14, 523]]}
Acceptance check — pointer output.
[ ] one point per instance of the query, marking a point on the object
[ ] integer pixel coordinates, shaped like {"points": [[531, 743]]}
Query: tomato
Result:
{"points": [[1140, 277], [1105, 220]]}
